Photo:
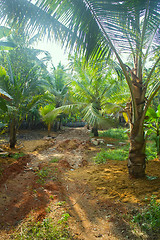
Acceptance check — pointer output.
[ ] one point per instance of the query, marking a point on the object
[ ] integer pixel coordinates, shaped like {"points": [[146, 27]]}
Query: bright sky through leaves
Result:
{"points": [[57, 53]]}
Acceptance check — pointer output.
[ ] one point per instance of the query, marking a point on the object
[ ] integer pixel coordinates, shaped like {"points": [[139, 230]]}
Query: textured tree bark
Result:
{"points": [[137, 156]]}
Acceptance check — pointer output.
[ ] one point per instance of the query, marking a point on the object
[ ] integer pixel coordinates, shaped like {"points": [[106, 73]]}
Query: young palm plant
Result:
{"points": [[43, 112]]}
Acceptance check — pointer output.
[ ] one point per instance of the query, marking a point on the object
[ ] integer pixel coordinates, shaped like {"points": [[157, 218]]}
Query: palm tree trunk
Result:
{"points": [[95, 131], [12, 134], [55, 126], [137, 156], [49, 129]]}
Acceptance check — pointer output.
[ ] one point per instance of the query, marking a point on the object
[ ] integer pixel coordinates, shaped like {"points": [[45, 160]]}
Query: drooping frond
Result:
{"points": [[93, 117], [67, 109]]}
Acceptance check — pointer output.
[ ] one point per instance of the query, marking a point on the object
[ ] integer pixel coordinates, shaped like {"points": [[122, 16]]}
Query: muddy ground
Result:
{"points": [[100, 199]]}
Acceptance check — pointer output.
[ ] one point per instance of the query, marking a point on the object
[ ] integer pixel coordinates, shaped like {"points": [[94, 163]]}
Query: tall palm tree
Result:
{"points": [[94, 26]]}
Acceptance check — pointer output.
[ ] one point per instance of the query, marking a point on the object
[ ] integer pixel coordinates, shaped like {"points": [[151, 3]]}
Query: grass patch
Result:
{"points": [[149, 217], [46, 230], [17, 155], [118, 133], [42, 175], [121, 153], [54, 160]]}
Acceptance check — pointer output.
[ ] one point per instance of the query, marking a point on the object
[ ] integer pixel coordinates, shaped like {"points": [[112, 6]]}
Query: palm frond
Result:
{"points": [[63, 109], [93, 117], [5, 95]]}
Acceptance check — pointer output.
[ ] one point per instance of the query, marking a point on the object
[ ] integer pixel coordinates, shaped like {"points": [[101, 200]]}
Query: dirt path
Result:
{"points": [[60, 170]]}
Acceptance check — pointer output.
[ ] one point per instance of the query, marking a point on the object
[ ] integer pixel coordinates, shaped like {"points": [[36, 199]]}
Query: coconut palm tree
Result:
{"points": [[23, 84], [92, 94], [94, 86], [57, 84], [93, 27]]}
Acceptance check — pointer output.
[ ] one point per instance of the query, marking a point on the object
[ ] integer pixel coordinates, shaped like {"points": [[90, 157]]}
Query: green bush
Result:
{"points": [[149, 218]]}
